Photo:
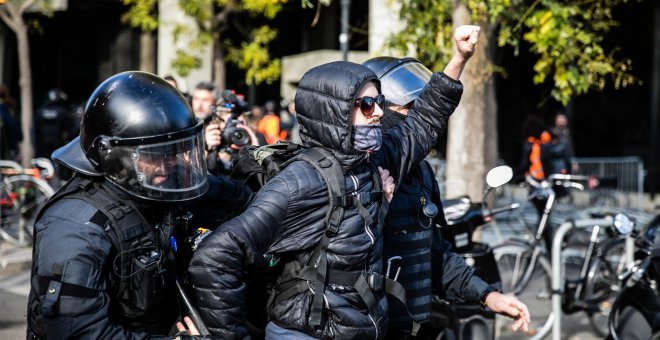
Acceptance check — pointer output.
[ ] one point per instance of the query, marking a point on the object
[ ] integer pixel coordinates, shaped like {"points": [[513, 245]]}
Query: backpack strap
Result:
{"points": [[333, 175], [317, 270]]}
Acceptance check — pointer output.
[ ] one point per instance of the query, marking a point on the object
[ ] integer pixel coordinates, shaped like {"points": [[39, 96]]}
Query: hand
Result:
{"points": [[226, 156], [466, 39], [388, 183], [509, 306], [212, 136], [191, 330]]}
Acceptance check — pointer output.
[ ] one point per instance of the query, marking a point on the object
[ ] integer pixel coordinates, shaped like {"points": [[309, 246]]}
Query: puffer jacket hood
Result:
{"points": [[324, 102]]}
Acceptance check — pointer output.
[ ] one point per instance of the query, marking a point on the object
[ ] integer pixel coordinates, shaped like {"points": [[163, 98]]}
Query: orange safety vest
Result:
{"points": [[535, 164], [269, 126]]}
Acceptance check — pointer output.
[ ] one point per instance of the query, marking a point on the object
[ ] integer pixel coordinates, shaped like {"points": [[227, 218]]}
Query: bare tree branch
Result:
{"points": [[27, 4], [7, 18], [221, 17]]}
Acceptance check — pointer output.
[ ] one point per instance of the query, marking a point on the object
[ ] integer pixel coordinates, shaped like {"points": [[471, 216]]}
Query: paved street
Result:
{"points": [[14, 289]]}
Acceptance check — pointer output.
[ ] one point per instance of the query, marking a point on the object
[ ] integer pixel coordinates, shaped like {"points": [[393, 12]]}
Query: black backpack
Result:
{"points": [[254, 166]]}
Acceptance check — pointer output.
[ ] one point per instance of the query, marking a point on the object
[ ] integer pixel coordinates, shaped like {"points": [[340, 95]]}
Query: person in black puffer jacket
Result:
{"points": [[410, 232], [339, 108]]}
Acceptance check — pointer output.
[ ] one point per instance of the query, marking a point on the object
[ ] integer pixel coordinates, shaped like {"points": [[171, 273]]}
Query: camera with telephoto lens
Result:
{"points": [[232, 134]]}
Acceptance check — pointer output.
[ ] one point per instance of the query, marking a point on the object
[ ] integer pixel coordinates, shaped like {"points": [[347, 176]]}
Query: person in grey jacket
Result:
{"points": [[331, 285]]}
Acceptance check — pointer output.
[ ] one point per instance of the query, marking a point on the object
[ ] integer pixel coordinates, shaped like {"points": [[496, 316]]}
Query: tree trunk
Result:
{"points": [[472, 136], [147, 60], [25, 83], [218, 66]]}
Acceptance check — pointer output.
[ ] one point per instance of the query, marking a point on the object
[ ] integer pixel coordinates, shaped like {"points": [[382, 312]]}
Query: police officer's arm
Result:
{"points": [[456, 282], [452, 278], [224, 200], [71, 263]]}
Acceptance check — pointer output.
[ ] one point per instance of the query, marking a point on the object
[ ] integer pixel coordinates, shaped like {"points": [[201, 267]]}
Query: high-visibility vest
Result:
{"points": [[535, 164], [269, 126]]}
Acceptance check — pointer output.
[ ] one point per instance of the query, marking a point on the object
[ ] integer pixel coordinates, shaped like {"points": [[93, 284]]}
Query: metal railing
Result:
{"points": [[618, 181]]}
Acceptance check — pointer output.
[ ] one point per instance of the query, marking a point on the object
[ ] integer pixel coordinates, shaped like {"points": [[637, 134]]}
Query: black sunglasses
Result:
{"points": [[367, 104]]}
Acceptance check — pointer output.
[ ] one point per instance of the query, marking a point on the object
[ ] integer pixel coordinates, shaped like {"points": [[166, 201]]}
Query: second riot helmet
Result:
{"points": [[401, 79]]}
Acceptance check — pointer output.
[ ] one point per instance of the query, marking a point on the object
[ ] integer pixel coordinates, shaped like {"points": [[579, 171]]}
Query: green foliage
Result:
{"points": [[252, 54], [185, 62], [253, 57], [141, 14], [268, 9], [200, 10], [566, 37], [189, 59], [428, 24]]}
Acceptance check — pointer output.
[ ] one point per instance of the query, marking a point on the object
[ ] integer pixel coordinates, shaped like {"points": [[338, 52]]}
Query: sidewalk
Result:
{"points": [[14, 259]]}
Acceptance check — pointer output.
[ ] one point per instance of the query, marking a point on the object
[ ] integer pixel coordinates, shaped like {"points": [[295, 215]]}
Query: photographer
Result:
{"points": [[202, 99], [225, 132]]}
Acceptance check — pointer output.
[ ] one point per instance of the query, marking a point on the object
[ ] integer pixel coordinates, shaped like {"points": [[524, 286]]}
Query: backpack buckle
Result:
{"points": [[376, 282]]}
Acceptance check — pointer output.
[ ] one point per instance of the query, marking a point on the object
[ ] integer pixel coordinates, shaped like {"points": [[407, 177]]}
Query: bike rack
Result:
{"points": [[557, 279]]}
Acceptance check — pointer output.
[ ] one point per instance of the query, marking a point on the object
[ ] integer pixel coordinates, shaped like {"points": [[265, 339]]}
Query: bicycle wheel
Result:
{"points": [[21, 197], [512, 260], [603, 285]]}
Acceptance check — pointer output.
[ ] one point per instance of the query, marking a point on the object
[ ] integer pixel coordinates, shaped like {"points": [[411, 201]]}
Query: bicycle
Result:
{"points": [[525, 268], [22, 193]]}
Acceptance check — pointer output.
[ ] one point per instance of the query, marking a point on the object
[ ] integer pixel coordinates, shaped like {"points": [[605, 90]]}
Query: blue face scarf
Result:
{"points": [[367, 137]]}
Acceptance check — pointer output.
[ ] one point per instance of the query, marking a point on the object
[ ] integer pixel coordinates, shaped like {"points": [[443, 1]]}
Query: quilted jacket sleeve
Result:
{"points": [[405, 145], [219, 265]]}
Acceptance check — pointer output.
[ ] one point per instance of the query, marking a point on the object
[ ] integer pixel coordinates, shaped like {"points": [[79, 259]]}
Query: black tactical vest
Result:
{"points": [[140, 270], [408, 233]]}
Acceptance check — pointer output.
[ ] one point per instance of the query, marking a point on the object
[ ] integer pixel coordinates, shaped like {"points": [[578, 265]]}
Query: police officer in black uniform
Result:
{"points": [[110, 244], [413, 248], [50, 123]]}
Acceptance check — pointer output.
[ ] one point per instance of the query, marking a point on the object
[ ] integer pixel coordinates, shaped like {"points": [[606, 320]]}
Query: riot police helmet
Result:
{"points": [[140, 133], [401, 79]]}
